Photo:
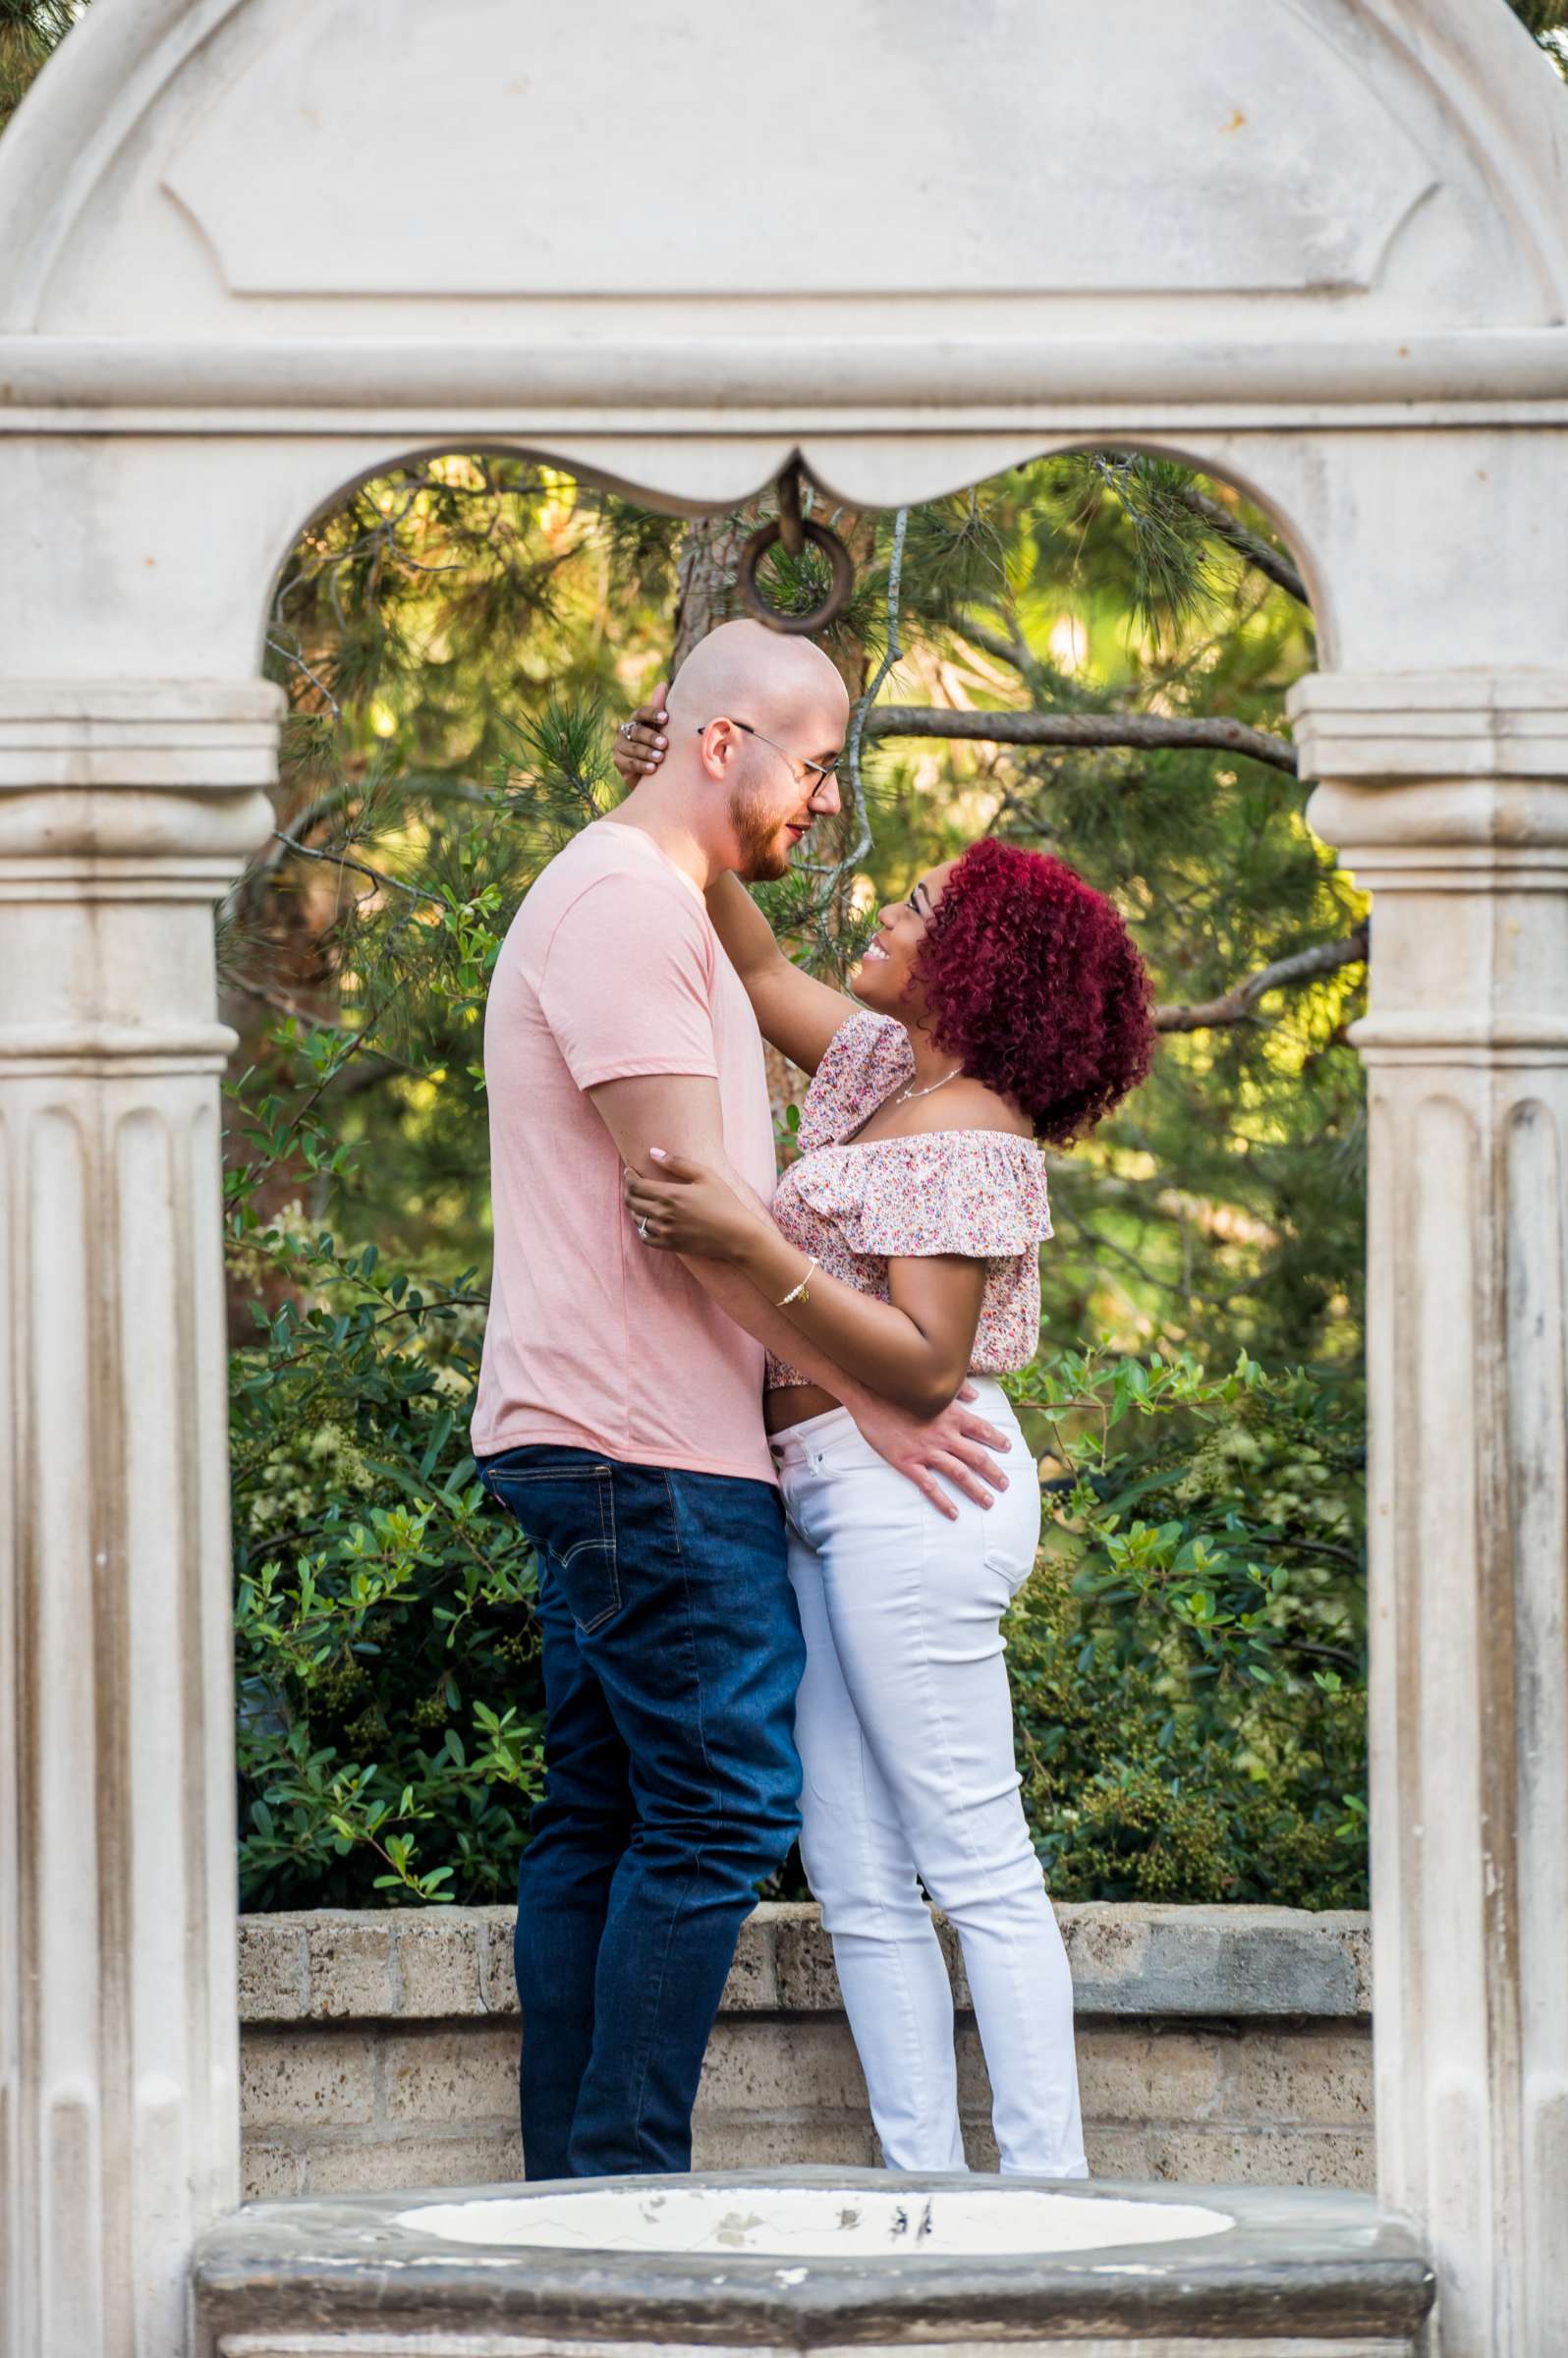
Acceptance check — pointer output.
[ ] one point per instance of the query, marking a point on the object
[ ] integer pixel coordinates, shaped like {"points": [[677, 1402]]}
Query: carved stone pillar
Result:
{"points": [[1447, 798], [125, 811]]}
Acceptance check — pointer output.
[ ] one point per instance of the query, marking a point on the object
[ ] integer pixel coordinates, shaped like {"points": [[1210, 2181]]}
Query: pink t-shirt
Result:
{"points": [[594, 1341]]}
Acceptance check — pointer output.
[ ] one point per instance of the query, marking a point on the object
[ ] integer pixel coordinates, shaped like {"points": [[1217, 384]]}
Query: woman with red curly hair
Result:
{"points": [[1000, 1005]]}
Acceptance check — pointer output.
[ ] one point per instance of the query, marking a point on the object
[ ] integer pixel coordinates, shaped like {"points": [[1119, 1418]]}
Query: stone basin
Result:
{"points": [[815, 2258], [993, 2221]]}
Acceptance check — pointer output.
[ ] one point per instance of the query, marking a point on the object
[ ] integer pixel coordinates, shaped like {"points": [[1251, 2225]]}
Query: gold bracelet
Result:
{"points": [[798, 1293]]}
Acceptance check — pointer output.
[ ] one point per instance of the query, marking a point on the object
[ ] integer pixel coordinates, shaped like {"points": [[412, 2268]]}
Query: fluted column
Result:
{"points": [[1447, 798], [125, 811]]}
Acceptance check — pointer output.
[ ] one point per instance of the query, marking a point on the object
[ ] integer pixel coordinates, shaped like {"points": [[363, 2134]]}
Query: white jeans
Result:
{"points": [[905, 1728]]}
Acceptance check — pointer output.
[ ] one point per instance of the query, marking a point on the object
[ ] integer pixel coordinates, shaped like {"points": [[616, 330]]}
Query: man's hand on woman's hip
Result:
{"points": [[955, 1447]]}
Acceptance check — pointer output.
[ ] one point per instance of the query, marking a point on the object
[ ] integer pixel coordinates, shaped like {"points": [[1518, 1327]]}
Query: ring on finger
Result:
{"points": [[641, 1230]]}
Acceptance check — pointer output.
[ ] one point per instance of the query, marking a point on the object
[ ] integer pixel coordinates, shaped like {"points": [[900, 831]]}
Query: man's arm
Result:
{"points": [[681, 1112]]}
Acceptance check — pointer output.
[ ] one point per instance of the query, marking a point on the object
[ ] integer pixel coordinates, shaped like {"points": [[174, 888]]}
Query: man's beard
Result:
{"points": [[762, 859]]}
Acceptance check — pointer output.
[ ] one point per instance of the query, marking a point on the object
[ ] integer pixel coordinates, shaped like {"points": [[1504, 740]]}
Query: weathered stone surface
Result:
{"points": [[778, 2141], [1268, 2096], [491, 2156], [1132, 2075], [1307, 2076], [752, 1986], [1217, 2155], [1112, 2152], [273, 1980], [794, 2065], [1126, 1959], [1214, 1961], [1320, 2267], [439, 1964], [450, 2073], [315, 2079], [351, 1966], [270, 2171], [802, 1961], [497, 1979], [1107, 1947]]}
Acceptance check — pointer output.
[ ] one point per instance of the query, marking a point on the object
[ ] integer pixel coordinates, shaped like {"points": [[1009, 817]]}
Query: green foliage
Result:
{"points": [[386, 1655], [456, 642], [1187, 1660], [1222, 1209], [447, 645], [1548, 20], [444, 630], [1188, 1657]]}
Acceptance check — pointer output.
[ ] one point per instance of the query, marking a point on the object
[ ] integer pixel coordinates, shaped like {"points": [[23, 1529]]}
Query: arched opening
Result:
{"points": [[1090, 654]]}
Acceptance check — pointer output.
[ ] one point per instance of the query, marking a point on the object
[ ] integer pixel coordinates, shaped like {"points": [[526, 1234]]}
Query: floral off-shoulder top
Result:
{"points": [[980, 1193]]}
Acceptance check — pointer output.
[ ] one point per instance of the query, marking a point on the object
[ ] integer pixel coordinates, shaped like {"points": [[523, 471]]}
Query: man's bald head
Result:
{"points": [[743, 671], [756, 722]]}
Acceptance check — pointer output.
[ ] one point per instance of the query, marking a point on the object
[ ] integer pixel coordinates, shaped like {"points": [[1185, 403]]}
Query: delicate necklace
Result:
{"points": [[907, 1097]]}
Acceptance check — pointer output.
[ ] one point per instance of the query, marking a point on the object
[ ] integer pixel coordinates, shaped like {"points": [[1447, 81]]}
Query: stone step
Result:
{"points": [[1249, 2273]]}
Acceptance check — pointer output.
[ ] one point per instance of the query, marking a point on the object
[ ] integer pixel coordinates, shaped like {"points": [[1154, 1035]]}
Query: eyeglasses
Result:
{"points": [[818, 772]]}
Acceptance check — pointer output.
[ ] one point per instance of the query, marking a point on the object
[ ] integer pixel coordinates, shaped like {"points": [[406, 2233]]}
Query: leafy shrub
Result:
{"points": [[1188, 1658], [389, 1704]]}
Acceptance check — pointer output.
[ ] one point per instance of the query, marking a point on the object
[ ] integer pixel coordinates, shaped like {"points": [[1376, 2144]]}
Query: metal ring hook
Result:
{"points": [[792, 530]]}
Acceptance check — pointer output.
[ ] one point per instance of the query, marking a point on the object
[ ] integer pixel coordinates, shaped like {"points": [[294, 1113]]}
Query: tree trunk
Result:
{"points": [[705, 595]]}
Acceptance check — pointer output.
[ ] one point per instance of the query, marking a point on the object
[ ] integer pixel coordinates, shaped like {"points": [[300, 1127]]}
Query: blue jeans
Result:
{"points": [[672, 1653]]}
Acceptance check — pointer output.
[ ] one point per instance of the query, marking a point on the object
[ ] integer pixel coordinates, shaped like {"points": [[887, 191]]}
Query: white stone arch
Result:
{"points": [[252, 249], [1267, 487]]}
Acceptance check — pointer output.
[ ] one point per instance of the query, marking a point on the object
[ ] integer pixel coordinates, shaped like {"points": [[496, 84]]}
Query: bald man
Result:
{"points": [[619, 1413]]}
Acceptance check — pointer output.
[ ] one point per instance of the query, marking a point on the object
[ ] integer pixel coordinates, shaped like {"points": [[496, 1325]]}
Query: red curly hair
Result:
{"points": [[1031, 975]]}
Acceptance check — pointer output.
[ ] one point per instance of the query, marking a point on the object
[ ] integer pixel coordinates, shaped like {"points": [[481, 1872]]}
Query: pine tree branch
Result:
{"points": [[1236, 1004], [992, 642], [248, 888], [1082, 729], [1098, 1247], [1014, 650], [287, 654], [362, 868], [348, 1080], [281, 1002], [1258, 552]]}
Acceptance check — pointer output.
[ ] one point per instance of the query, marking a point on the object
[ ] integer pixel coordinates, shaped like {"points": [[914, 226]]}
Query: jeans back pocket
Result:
{"points": [[565, 1502]]}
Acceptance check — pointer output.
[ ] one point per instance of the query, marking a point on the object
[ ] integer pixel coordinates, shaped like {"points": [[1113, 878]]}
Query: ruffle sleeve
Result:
{"points": [[980, 1193], [866, 1060]]}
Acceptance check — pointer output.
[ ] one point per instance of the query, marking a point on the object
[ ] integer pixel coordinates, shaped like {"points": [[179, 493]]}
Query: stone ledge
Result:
{"points": [[443, 1964]]}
